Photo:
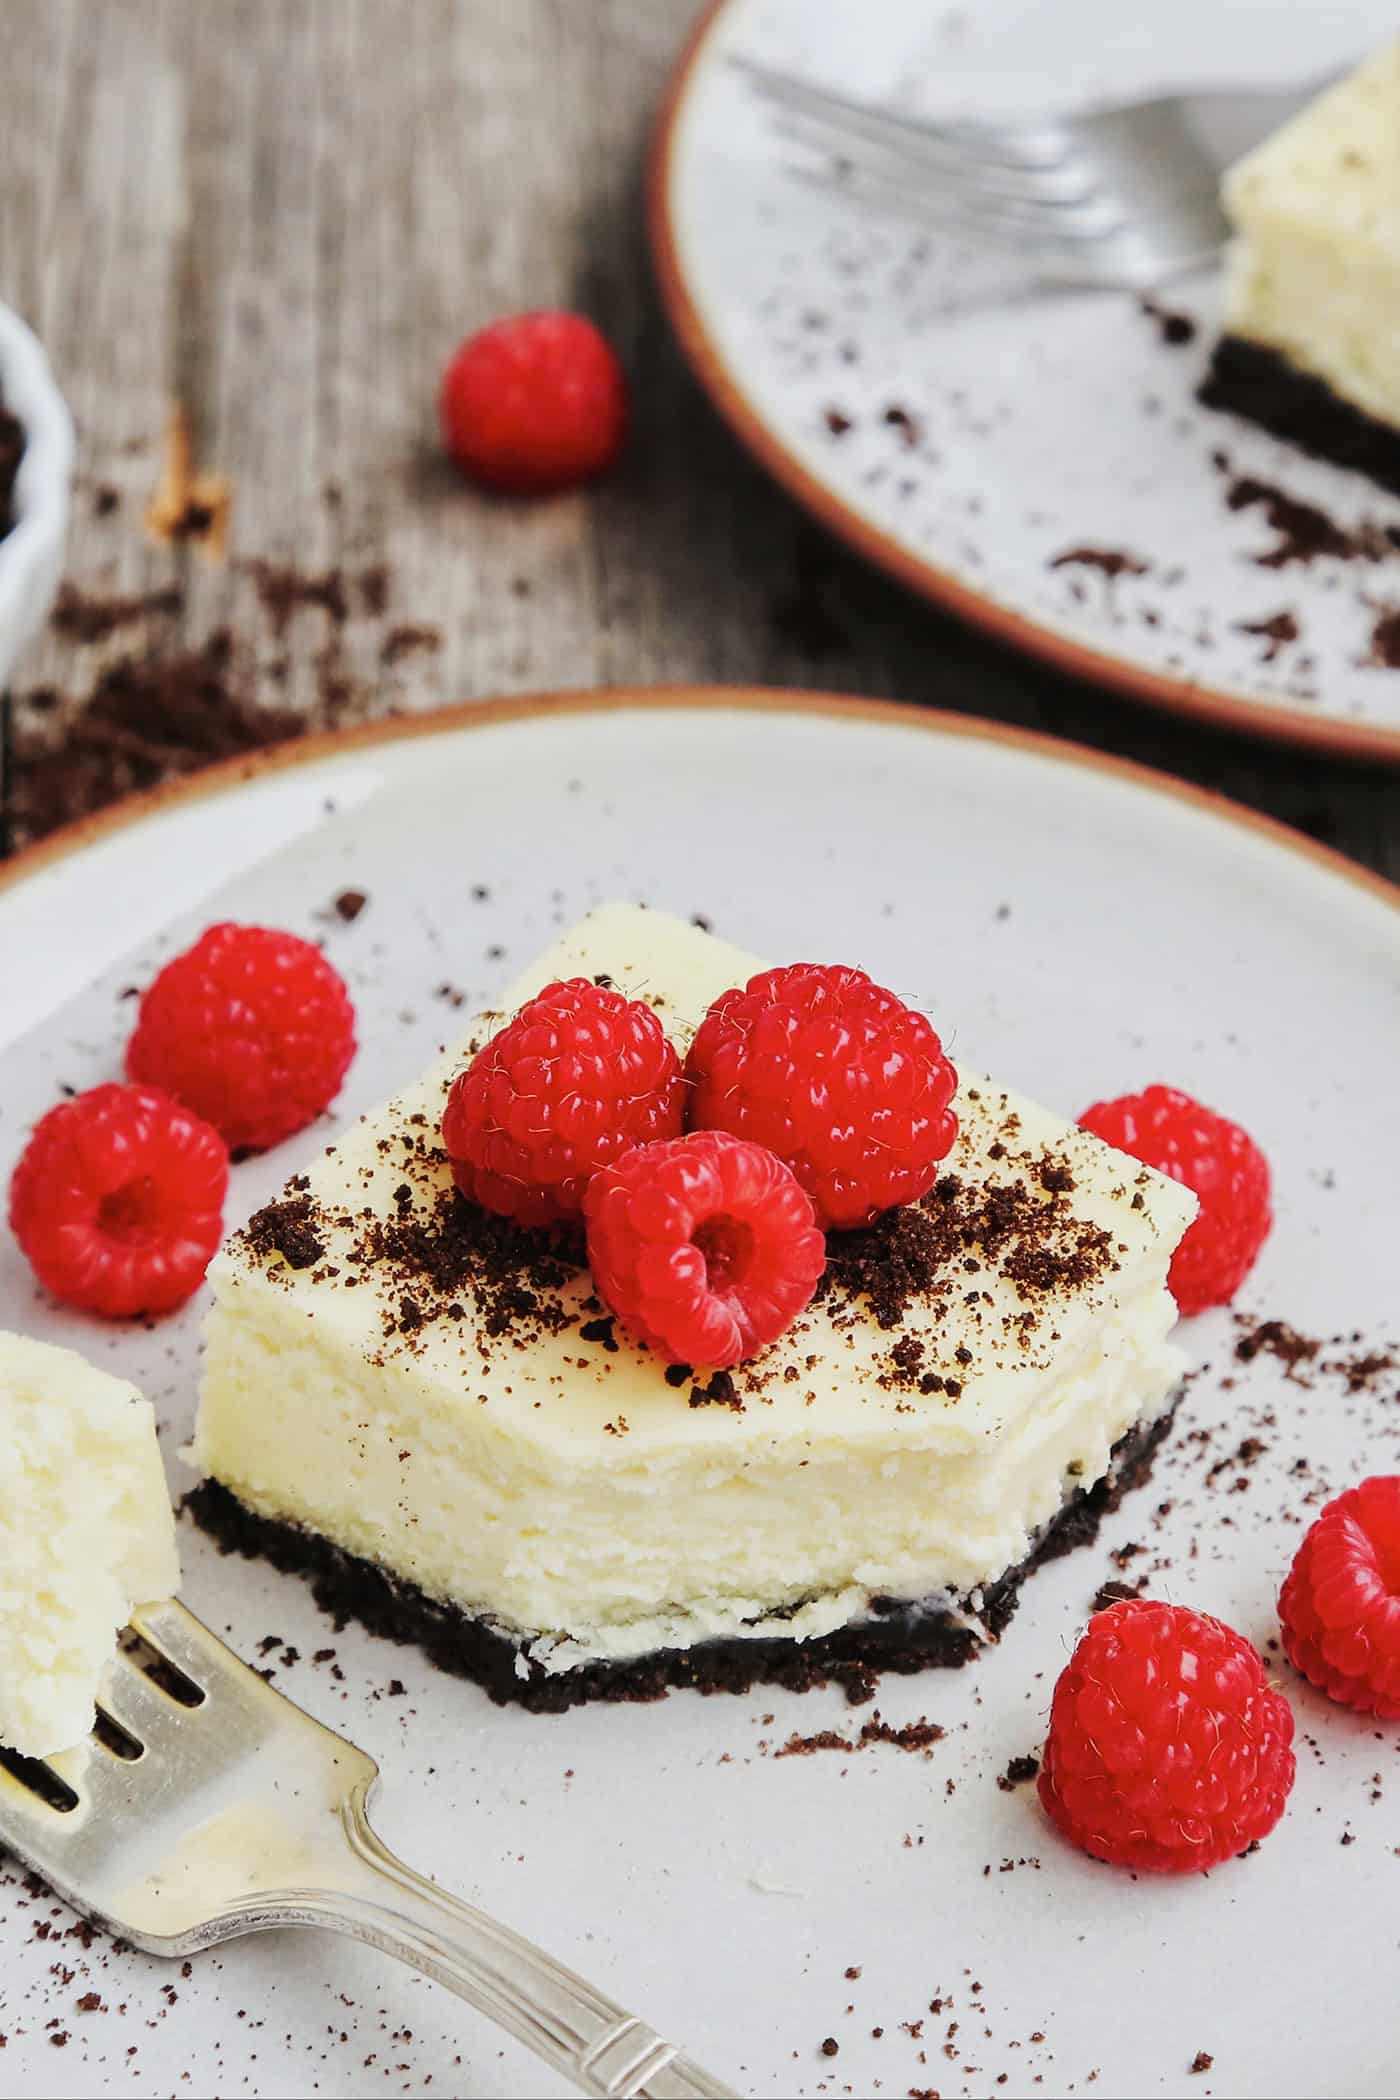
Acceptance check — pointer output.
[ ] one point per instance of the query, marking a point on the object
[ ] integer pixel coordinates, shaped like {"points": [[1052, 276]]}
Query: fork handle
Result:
{"points": [[569, 2024]]}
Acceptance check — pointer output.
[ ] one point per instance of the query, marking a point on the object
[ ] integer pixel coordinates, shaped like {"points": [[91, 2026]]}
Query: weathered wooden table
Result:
{"points": [[284, 214]]}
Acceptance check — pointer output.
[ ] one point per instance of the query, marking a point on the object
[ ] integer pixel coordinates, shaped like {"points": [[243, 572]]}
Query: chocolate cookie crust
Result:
{"points": [[1259, 384]]}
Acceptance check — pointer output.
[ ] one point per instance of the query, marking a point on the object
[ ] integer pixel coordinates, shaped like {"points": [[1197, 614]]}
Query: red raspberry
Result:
{"points": [[116, 1200], [847, 1084], [1168, 1750], [1166, 1129], [252, 1029], [536, 401], [706, 1248], [1340, 1604], [580, 1076]]}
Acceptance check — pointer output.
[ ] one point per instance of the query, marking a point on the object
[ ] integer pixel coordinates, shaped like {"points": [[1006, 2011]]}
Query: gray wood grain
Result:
{"points": [[286, 213]]}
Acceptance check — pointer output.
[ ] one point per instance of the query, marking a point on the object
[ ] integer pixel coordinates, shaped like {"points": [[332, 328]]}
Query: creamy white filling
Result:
{"points": [[943, 1535], [1315, 272], [86, 1532]]}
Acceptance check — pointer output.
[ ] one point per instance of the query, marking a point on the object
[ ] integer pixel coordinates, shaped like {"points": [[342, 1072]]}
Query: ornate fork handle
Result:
{"points": [[569, 2024]]}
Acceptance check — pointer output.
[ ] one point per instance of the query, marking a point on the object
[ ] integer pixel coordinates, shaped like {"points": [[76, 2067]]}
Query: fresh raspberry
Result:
{"points": [[252, 1029], [1168, 1750], [536, 401], [579, 1077], [705, 1248], [116, 1200], [847, 1084], [1340, 1603], [1166, 1129]]}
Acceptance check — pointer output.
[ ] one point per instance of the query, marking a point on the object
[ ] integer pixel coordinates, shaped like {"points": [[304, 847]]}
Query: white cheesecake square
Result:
{"points": [[394, 1382]]}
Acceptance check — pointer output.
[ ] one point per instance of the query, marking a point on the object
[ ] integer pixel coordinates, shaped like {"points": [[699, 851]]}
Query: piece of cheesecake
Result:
{"points": [[86, 1532], [1311, 342], [424, 1405]]}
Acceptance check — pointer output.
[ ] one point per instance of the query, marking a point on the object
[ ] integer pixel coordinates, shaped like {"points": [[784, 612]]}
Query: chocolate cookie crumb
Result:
{"points": [[1202, 2061], [906, 424], [1277, 632], [917, 1252], [146, 719], [287, 1228], [600, 1331], [1174, 328], [1305, 533], [455, 1248], [1280, 1340], [1018, 1771], [1385, 641], [720, 1392], [350, 903], [1109, 561], [914, 1736]]}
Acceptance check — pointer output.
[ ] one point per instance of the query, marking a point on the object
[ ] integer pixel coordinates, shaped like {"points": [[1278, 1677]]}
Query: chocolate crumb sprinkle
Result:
{"points": [[600, 1331], [287, 1228], [1278, 1339], [721, 1391], [1111, 562], [1017, 1772], [911, 1254]]}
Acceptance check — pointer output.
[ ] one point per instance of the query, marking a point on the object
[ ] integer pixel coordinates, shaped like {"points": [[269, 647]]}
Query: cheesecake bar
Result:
{"points": [[1311, 342], [426, 1407], [86, 1532]]}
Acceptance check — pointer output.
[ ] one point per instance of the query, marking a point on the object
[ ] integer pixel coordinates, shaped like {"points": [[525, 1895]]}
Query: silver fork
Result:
{"points": [[206, 1805], [1120, 198]]}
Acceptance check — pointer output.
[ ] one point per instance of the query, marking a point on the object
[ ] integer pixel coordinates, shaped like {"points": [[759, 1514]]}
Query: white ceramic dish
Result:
{"points": [[1073, 924], [31, 553], [971, 451]]}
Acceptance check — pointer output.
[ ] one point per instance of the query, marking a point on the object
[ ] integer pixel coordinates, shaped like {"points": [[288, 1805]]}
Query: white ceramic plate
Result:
{"points": [[1073, 924], [968, 451]]}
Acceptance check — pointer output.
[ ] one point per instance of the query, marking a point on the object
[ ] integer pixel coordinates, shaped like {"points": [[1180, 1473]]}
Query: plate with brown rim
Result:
{"points": [[1075, 924], [1040, 465]]}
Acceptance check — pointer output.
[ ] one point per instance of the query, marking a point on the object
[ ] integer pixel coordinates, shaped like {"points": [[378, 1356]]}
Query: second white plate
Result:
{"points": [[1040, 465]]}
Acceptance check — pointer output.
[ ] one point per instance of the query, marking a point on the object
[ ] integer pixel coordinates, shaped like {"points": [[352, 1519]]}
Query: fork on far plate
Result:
{"points": [[1121, 198], [206, 1805]]}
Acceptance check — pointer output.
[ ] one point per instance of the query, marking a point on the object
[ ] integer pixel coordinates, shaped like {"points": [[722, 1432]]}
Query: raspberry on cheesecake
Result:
{"points": [[706, 1248]]}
